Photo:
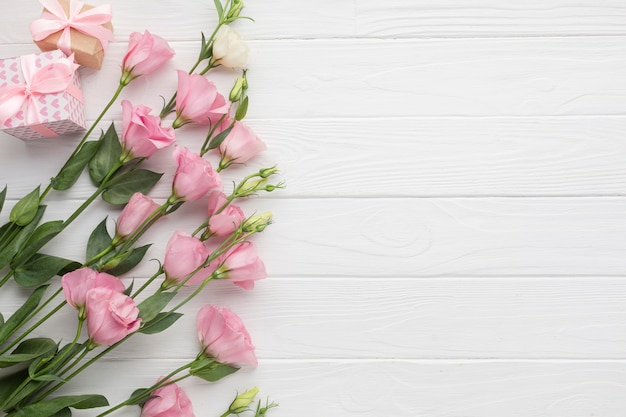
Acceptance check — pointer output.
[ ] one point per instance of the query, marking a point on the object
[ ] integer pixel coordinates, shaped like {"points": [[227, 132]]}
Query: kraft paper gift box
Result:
{"points": [[74, 27], [40, 96]]}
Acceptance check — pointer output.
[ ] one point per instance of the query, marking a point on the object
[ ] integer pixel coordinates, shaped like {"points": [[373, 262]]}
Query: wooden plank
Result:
{"points": [[395, 318], [175, 20], [379, 78], [401, 157], [456, 18], [398, 388], [407, 237], [361, 18]]}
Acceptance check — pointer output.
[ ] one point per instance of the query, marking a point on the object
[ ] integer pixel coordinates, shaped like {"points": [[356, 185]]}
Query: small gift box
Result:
{"points": [[40, 96], [74, 27]]}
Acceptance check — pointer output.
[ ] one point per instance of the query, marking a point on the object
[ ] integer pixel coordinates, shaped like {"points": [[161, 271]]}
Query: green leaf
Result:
{"points": [[11, 249], [3, 195], [28, 350], [140, 396], [65, 412], [99, 240], [48, 378], [217, 140], [22, 313], [51, 407], [161, 322], [26, 209], [151, 306], [122, 187], [242, 109], [129, 289], [131, 260], [72, 169], [9, 383], [41, 268], [219, 8], [106, 157], [42, 235], [210, 370]]}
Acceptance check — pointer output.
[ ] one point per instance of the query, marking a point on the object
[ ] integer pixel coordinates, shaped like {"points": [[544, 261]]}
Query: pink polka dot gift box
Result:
{"points": [[40, 96]]}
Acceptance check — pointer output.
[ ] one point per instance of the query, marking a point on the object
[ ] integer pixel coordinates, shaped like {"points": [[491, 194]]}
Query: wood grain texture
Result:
{"points": [[392, 318], [176, 21], [279, 19], [456, 18], [377, 78], [400, 388], [396, 157], [491, 237]]}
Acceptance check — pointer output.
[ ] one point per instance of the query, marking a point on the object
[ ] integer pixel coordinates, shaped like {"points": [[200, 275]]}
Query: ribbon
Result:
{"points": [[54, 19], [52, 78]]}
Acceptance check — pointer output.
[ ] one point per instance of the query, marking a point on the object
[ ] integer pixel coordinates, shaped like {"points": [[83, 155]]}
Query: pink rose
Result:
{"points": [[228, 220], [183, 254], [197, 100], [77, 283], [194, 176], [137, 210], [241, 144], [111, 316], [169, 401], [146, 53], [224, 337], [143, 134], [242, 265]]}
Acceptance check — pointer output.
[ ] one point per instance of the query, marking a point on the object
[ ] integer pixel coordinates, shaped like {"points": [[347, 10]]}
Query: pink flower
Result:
{"points": [[169, 401], [143, 134], [194, 176], [111, 316], [146, 53], [224, 337], [242, 265], [137, 210], [228, 220], [77, 283], [241, 144], [197, 100], [183, 254]]}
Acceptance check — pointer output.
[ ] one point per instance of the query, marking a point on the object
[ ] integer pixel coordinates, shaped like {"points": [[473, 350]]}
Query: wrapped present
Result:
{"points": [[40, 96], [74, 27]]}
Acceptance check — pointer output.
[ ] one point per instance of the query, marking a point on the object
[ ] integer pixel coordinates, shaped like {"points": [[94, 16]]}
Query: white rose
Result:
{"points": [[229, 49]]}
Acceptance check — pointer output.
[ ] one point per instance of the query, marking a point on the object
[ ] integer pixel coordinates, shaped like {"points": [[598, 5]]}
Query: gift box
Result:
{"points": [[40, 96], [74, 27]]}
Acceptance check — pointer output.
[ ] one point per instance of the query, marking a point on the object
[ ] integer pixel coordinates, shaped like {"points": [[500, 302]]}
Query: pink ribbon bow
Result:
{"points": [[52, 78], [88, 22]]}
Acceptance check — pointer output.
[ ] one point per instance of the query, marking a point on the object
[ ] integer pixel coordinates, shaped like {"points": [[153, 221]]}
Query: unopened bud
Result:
{"points": [[267, 172], [251, 186], [235, 9], [238, 89], [242, 401], [257, 223]]}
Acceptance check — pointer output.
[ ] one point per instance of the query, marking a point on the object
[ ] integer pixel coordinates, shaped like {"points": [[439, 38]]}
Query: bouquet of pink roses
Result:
{"points": [[109, 310]]}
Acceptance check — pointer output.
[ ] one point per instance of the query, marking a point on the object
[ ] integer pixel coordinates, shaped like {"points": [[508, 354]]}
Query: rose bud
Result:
{"points": [[194, 176], [136, 211], [241, 145], [183, 255], [197, 100], [111, 316], [146, 53], [142, 133], [168, 401], [226, 221], [224, 337], [241, 264], [229, 48]]}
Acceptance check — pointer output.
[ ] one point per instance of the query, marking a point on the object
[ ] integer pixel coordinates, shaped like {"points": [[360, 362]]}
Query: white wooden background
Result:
{"points": [[452, 240]]}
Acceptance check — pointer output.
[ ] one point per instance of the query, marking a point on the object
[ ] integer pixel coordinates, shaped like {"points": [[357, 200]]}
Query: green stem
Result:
{"points": [[148, 282], [165, 381], [100, 255], [6, 278], [11, 232], [38, 323], [86, 136]]}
